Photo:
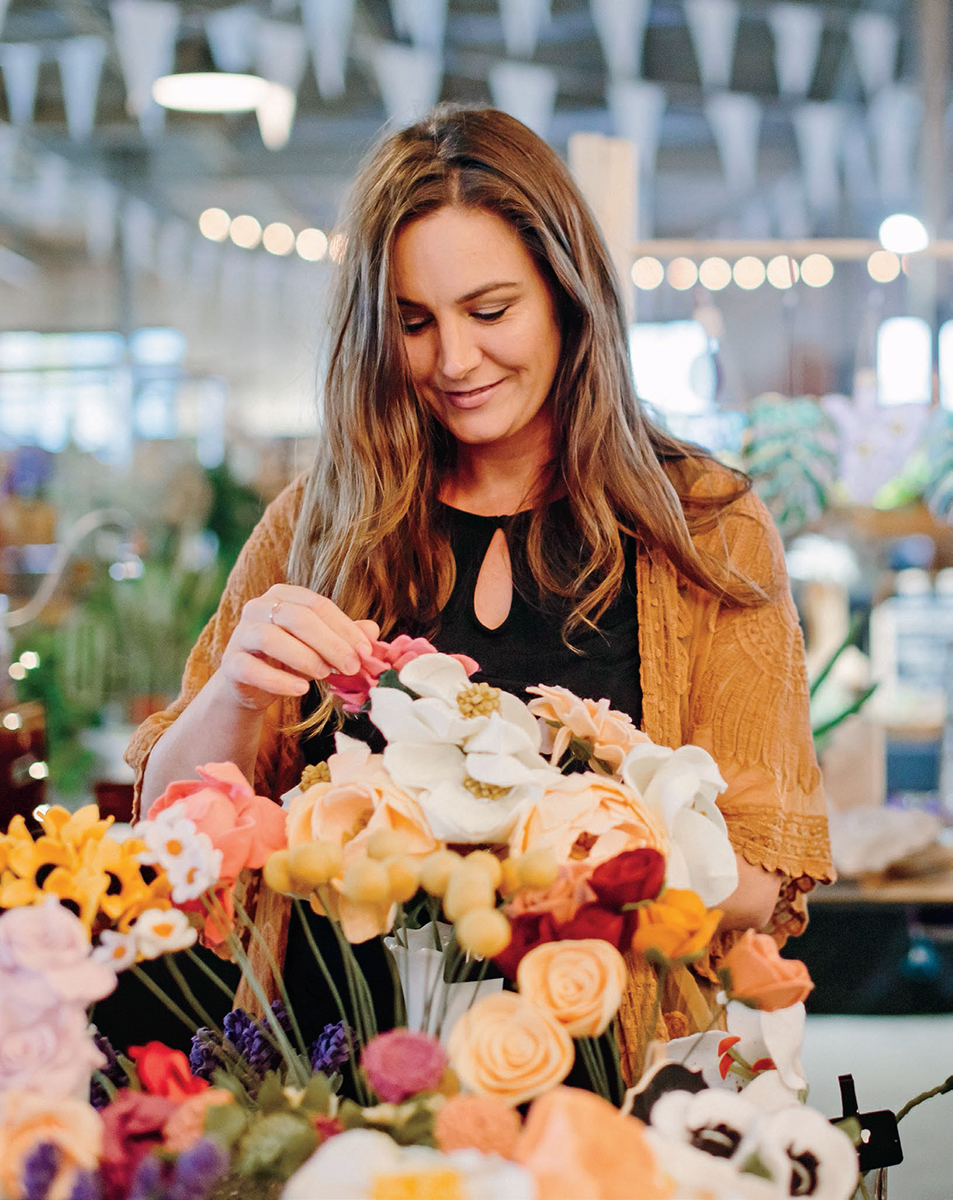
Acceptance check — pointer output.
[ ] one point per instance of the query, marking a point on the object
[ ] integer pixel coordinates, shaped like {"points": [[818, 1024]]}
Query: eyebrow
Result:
{"points": [[474, 295]]}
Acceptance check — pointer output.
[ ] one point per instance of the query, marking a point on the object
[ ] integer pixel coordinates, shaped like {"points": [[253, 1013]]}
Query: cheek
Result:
{"points": [[418, 358]]}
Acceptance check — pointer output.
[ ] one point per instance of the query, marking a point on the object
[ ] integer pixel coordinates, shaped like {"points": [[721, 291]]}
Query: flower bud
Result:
{"points": [[314, 863], [435, 871], [510, 881], [537, 868], [404, 877], [386, 843], [468, 887], [483, 932], [276, 874], [366, 882], [487, 862]]}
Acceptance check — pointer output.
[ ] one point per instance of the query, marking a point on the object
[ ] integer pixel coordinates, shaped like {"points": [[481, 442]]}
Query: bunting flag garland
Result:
{"points": [[81, 66], [713, 25], [895, 114], [818, 130], [526, 91], [637, 108], [522, 21], [327, 25], [20, 63], [620, 25], [797, 30], [423, 21], [231, 37], [735, 120], [408, 78], [145, 33], [282, 57], [874, 38]]}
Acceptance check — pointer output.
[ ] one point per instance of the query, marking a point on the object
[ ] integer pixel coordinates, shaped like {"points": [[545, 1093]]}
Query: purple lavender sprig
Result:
{"points": [[245, 1036], [197, 1170], [332, 1048], [86, 1186], [99, 1095], [40, 1170]]}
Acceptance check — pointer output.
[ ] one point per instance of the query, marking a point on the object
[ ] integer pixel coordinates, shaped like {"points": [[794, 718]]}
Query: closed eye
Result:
{"points": [[491, 316], [414, 324]]}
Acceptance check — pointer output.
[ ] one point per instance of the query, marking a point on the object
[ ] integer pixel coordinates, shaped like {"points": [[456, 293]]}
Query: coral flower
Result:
{"points": [[760, 977]]}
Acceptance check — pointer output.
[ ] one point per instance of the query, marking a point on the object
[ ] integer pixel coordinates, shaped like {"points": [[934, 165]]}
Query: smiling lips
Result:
{"points": [[472, 398]]}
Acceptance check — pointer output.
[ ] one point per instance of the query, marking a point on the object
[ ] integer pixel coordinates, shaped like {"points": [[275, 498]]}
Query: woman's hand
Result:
{"points": [[286, 638]]}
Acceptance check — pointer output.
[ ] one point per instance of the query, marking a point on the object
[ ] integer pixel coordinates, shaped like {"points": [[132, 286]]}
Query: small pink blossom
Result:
{"points": [[400, 1063], [386, 656], [47, 940], [52, 1054]]}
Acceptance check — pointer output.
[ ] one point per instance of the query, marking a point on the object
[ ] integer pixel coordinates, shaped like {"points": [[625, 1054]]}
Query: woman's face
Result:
{"points": [[479, 326]]}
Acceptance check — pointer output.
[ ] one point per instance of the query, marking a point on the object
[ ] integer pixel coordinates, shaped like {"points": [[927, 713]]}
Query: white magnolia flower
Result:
{"points": [[680, 786], [363, 1163], [116, 950], [162, 931]]}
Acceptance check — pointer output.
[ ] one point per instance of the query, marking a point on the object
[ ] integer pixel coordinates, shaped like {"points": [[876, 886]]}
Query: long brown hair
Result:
{"points": [[366, 535]]}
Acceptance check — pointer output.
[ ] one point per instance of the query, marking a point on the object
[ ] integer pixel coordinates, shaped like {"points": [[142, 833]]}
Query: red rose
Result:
{"points": [[528, 930], [132, 1128], [630, 877], [596, 921], [165, 1072]]}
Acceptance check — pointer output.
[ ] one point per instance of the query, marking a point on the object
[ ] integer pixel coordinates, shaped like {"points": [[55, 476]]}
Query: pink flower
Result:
{"points": [[401, 1063], [386, 656], [132, 1128], [245, 827], [49, 1052], [48, 941]]}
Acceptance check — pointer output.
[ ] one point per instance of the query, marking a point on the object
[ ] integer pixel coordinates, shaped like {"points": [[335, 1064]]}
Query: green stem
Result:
{"points": [[190, 997], [458, 966], [211, 973], [612, 1037], [273, 966], [595, 1069], [863, 1188], [400, 1008], [945, 1086], [107, 1085], [166, 999]]}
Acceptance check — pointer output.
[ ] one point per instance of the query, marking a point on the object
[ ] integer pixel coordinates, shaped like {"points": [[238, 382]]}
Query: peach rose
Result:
{"points": [[677, 926], [577, 1144], [760, 977], [187, 1124], [483, 1123], [506, 1047], [610, 734], [562, 899], [588, 817], [28, 1120], [579, 982]]}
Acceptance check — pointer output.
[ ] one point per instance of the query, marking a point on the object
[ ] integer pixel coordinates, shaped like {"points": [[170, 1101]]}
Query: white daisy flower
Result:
{"points": [[194, 871], [162, 931], [116, 950], [167, 838]]}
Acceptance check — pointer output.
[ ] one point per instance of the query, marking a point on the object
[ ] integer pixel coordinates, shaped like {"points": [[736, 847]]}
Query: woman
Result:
{"points": [[487, 477]]}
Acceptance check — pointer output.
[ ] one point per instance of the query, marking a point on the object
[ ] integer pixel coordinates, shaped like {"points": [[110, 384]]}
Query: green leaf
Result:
{"points": [[276, 1145], [317, 1095], [271, 1094], [226, 1121]]}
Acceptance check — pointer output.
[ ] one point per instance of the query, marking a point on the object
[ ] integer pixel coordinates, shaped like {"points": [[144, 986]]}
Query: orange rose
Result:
{"points": [[610, 734], [28, 1120], [760, 977], [506, 1047], [676, 927], [577, 1144], [579, 982]]}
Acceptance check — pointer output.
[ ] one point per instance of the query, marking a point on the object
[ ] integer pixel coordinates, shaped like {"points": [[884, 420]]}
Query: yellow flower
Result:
{"points": [[676, 927], [74, 828]]}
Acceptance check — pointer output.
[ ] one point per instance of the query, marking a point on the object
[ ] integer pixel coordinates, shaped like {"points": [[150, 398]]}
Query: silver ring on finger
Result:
{"points": [[274, 609]]}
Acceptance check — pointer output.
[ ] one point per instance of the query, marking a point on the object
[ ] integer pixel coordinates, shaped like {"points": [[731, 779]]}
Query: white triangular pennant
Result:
{"points": [[735, 119], [282, 53], [637, 107], [145, 32], [526, 91], [620, 25], [874, 38], [713, 25], [522, 21], [895, 115], [860, 180], [423, 21], [276, 115], [790, 209], [408, 78], [328, 27], [20, 63], [81, 66], [100, 212], [797, 30], [818, 130], [231, 37]]}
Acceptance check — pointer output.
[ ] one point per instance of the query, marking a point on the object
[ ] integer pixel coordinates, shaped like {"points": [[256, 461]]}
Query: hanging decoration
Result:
{"points": [[408, 78], [637, 107], [327, 26], [797, 30], [145, 33], [423, 21], [713, 25], [526, 91], [522, 21], [874, 38], [735, 120], [282, 57], [818, 130], [231, 34], [620, 25], [895, 115], [20, 63], [81, 67]]}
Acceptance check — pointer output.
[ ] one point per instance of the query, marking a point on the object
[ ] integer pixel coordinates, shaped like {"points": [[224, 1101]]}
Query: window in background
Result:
{"points": [[904, 361]]}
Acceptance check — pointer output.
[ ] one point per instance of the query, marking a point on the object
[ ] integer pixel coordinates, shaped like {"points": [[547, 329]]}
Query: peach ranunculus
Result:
{"points": [[575, 1143], [359, 799], [28, 1120], [580, 982], [610, 734], [245, 827], [758, 976], [187, 1124], [587, 816], [561, 900], [507, 1047], [676, 927]]}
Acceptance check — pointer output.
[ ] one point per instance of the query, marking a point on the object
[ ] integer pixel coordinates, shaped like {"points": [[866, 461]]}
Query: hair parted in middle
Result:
{"points": [[366, 535]]}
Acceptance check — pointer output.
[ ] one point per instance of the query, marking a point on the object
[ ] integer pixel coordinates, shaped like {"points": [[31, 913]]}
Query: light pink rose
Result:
{"points": [[48, 940], [611, 734], [52, 1055], [386, 656]]}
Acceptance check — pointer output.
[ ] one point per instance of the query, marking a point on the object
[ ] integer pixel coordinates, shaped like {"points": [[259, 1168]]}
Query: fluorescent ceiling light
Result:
{"points": [[210, 92]]}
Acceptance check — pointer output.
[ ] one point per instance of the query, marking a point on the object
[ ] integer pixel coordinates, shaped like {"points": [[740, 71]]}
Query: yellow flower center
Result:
{"points": [[478, 700], [174, 846], [165, 930], [119, 952], [359, 825], [485, 791], [315, 773], [418, 1185]]}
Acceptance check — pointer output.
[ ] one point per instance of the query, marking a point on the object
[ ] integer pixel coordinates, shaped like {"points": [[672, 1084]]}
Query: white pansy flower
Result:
{"points": [[680, 786], [116, 950], [162, 931], [361, 1164]]}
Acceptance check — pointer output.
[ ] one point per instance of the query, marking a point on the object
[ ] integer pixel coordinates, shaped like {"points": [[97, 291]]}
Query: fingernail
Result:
{"points": [[352, 665]]}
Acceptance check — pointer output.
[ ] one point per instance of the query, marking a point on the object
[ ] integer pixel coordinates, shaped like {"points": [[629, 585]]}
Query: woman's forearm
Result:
{"points": [[752, 902]]}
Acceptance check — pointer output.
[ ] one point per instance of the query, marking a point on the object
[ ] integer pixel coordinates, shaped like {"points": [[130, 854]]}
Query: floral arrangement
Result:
{"points": [[520, 863]]}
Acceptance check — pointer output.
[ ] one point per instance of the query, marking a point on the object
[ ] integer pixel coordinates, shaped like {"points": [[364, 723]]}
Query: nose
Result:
{"points": [[459, 351]]}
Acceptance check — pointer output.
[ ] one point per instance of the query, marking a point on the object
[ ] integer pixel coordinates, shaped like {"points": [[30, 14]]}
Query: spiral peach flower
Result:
{"points": [[28, 1120], [578, 982], [611, 734], [506, 1047], [482, 1123]]}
